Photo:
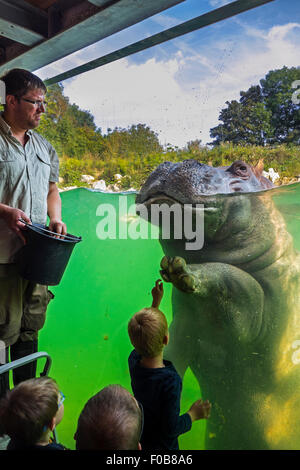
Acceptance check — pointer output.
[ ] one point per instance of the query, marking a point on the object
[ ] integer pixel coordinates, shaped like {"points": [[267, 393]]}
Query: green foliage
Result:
{"points": [[70, 130], [248, 126], [265, 114], [71, 170], [285, 115], [137, 139], [285, 159]]}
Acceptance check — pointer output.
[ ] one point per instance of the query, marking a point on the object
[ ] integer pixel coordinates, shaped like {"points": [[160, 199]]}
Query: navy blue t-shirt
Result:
{"points": [[19, 445], [159, 390]]}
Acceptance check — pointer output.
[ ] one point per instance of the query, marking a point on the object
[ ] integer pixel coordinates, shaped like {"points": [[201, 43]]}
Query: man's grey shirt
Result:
{"points": [[25, 173]]}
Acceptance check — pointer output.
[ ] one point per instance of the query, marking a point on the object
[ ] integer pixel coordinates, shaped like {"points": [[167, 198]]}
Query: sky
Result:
{"points": [[179, 88]]}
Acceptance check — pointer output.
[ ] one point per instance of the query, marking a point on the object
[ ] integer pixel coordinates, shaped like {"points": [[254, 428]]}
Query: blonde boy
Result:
{"points": [[155, 382]]}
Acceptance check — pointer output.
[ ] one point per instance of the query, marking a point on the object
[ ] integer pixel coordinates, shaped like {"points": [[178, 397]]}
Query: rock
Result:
{"points": [[67, 188], [271, 175], [87, 178], [114, 188], [118, 177], [287, 180], [100, 185]]}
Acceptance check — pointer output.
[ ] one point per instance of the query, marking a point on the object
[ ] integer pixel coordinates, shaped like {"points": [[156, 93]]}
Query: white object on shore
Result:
{"points": [[67, 188], [271, 175], [100, 185], [87, 178], [118, 177], [113, 188]]}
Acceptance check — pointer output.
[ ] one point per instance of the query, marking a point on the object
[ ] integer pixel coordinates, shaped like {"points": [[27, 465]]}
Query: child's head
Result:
{"points": [[148, 332], [110, 420], [30, 409]]}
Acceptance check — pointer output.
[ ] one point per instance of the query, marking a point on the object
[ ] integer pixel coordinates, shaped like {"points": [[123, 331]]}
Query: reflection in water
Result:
{"points": [[236, 320]]}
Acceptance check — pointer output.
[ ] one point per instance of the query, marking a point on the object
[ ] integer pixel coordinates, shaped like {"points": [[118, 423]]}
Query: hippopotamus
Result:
{"points": [[236, 303]]}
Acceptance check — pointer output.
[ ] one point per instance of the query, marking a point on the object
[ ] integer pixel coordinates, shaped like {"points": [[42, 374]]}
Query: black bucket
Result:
{"points": [[44, 258]]}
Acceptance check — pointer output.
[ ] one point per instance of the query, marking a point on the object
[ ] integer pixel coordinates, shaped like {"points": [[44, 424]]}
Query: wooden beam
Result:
{"points": [[22, 22], [109, 19]]}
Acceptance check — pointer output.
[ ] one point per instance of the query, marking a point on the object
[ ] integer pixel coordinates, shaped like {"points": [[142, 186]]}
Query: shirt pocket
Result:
{"points": [[9, 163], [6, 157], [44, 166]]}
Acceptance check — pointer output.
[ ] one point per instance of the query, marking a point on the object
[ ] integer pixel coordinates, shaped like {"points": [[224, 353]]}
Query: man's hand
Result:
{"points": [[54, 212], [200, 410], [58, 226], [11, 216], [157, 293]]}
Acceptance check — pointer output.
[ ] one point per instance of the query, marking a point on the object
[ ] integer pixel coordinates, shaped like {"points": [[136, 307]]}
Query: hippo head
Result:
{"points": [[188, 181], [232, 198]]}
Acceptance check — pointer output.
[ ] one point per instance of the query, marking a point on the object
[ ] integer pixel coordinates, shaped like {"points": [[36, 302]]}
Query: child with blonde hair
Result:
{"points": [[155, 382]]}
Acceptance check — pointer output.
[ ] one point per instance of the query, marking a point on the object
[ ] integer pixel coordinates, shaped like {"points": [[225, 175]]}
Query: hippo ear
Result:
{"points": [[259, 166]]}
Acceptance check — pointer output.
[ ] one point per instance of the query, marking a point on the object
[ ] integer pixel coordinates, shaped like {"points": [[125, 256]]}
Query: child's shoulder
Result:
{"points": [[170, 367], [133, 357], [55, 446], [171, 374]]}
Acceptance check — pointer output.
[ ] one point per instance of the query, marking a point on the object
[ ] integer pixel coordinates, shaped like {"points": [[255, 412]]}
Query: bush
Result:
{"points": [[285, 159], [71, 170]]}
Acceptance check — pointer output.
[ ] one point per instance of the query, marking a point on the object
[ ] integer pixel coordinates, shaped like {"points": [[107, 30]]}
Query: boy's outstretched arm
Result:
{"points": [[157, 293]]}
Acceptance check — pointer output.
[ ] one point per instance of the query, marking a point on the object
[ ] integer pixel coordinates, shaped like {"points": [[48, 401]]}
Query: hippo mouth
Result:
{"points": [[161, 198]]}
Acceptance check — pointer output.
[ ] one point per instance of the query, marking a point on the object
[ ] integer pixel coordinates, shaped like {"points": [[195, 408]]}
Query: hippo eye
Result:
{"points": [[240, 169]]}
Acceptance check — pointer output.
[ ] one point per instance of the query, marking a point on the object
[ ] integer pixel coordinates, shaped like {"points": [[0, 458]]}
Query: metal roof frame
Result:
{"points": [[219, 14]]}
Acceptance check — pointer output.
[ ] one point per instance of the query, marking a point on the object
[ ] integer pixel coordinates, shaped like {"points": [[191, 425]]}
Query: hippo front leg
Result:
{"points": [[217, 319], [233, 298]]}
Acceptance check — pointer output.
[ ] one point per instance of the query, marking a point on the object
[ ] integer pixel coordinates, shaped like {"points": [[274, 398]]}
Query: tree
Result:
{"points": [[138, 139], [285, 115], [264, 114], [71, 130], [81, 118]]}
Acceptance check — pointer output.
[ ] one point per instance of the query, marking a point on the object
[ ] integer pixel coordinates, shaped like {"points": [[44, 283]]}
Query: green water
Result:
{"points": [[105, 283]]}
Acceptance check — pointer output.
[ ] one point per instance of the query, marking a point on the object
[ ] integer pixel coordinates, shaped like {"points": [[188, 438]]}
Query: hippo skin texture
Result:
{"points": [[236, 315]]}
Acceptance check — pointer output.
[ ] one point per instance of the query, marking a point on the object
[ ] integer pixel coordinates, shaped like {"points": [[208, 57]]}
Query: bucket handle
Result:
{"points": [[73, 238]]}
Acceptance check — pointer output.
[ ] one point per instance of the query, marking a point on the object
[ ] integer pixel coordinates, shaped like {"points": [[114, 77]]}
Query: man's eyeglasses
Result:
{"points": [[37, 103]]}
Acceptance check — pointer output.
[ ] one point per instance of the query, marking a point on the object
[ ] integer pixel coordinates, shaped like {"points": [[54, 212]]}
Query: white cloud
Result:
{"points": [[180, 97], [123, 93], [166, 21], [219, 3], [279, 33]]}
